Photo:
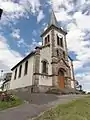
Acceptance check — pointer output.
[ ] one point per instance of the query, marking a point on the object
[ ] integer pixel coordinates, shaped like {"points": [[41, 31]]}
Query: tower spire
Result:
{"points": [[53, 20]]}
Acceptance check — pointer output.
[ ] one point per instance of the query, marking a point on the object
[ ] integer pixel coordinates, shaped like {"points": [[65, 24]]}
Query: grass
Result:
{"points": [[9, 104], [75, 110]]}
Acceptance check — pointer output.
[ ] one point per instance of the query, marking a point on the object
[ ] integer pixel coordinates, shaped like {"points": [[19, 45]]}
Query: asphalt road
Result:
{"points": [[29, 110]]}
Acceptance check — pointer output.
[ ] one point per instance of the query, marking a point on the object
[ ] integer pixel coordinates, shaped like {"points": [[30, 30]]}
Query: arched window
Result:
{"points": [[59, 41], [63, 54], [20, 70], [57, 52], [15, 74], [26, 68], [61, 72], [47, 39], [45, 67]]}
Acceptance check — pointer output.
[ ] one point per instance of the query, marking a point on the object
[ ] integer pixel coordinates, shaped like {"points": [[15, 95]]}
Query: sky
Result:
{"points": [[24, 20]]}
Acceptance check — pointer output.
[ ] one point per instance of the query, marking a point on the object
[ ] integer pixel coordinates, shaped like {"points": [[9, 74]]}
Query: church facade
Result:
{"points": [[48, 66]]}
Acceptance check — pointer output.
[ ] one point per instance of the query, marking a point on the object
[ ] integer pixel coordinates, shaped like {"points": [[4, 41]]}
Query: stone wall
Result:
{"points": [[36, 71], [24, 80], [43, 89], [23, 93]]}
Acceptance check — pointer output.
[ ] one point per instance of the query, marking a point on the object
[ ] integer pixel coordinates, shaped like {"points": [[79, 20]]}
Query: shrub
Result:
{"points": [[4, 96]]}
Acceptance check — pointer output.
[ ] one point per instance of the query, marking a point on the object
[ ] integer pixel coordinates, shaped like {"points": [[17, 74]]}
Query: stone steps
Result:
{"points": [[62, 91]]}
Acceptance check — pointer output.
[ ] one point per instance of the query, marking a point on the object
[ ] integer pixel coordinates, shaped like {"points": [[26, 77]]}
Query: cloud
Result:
{"points": [[32, 6], [8, 57], [10, 6], [32, 46], [75, 15], [15, 9], [34, 33], [12, 11], [21, 42], [40, 16], [16, 34], [62, 16], [82, 20], [84, 79]]}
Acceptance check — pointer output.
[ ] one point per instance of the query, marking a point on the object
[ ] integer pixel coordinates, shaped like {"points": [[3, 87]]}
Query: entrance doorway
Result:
{"points": [[61, 78]]}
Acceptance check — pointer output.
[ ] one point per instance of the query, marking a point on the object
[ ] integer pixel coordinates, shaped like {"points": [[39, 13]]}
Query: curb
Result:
{"points": [[50, 109], [41, 113]]}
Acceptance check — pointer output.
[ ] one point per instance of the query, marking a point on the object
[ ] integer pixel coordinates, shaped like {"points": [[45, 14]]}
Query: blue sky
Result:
{"points": [[23, 21]]}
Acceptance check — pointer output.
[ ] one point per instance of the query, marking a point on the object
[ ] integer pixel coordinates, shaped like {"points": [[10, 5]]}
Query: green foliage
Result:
{"points": [[76, 110], [8, 104]]}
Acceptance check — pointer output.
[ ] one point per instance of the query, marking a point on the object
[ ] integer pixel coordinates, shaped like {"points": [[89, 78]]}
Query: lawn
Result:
{"points": [[75, 110], [9, 104]]}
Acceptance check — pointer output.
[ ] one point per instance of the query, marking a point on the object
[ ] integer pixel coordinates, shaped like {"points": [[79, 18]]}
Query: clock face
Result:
{"points": [[59, 35]]}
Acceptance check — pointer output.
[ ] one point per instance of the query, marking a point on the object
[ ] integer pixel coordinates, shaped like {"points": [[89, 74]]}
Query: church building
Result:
{"points": [[48, 66]]}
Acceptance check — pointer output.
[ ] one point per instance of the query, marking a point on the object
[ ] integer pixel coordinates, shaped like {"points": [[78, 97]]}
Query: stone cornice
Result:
{"points": [[40, 47], [53, 27], [57, 61], [43, 74]]}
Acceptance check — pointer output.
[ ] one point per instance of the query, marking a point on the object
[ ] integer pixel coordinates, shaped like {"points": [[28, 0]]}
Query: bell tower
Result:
{"points": [[55, 37]]}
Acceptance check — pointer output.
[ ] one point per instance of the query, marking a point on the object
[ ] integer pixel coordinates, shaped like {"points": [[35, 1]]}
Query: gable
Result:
{"points": [[24, 59], [63, 62], [53, 27]]}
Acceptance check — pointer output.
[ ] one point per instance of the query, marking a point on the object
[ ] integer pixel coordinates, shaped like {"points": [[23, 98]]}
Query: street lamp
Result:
{"points": [[1, 11]]}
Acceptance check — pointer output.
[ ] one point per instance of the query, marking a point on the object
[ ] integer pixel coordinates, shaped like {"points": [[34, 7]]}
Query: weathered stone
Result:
{"points": [[55, 61]]}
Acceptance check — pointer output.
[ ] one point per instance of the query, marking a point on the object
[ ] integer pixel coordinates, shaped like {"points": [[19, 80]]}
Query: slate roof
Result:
{"points": [[24, 59]]}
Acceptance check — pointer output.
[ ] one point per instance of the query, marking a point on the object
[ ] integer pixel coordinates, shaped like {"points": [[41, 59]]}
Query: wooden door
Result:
{"points": [[61, 79]]}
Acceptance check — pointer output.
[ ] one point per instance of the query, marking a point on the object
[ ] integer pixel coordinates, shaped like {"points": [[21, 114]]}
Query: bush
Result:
{"points": [[8, 100], [4, 96]]}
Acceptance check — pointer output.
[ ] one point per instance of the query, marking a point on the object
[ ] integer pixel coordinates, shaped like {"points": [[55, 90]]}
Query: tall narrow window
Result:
{"points": [[61, 42], [48, 37], [44, 67], [26, 68], [20, 69], [57, 53], [63, 54], [57, 40], [15, 74], [45, 40]]}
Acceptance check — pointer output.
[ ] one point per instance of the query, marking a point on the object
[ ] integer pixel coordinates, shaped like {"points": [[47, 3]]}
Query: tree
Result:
{"points": [[76, 84], [80, 87], [5, 78]]}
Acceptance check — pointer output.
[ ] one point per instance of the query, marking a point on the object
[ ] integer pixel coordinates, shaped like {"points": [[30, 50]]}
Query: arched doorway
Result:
{"points": [[61, 78]]}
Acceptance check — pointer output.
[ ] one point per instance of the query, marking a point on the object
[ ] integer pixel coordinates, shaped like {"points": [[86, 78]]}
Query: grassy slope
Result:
{"points": [[76, 110], [5, 105]]}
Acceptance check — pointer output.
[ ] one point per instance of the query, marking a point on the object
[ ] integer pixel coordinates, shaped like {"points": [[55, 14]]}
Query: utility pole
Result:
{"points": [[1, 11]]}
